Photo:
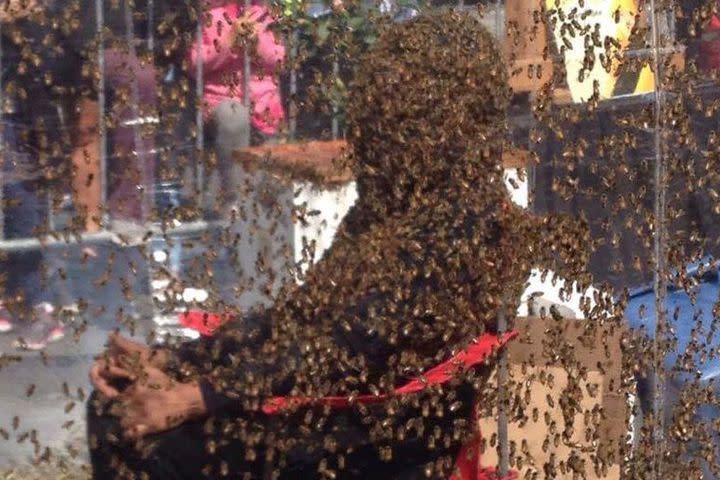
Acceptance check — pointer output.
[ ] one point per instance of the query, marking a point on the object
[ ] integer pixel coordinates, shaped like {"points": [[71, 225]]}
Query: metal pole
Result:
{"points": [[102, 127], [50, 216], [660, 253], [503, 377], [247, 71], [34, 243], [50, 220], [140, 150], [499, 24], [132, 235], [199, 90], [151, 25], [246, 65], [335, 125], [3, 150], [292, 106]]}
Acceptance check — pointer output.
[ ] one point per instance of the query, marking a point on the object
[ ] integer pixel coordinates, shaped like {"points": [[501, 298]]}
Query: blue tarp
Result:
{"points": [[691, 322], [686, 319]]}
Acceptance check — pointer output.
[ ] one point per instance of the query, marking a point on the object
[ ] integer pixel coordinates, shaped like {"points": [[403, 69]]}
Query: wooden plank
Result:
{"points": [[320, 162], [524, 45], [552, 349], [516, 158]]}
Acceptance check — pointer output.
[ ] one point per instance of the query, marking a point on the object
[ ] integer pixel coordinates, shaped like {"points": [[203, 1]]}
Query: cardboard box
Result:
{"points": [[524, 46], [540, 361]]}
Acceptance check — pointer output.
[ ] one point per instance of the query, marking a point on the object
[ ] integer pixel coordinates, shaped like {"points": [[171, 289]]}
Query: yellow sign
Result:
{"points": [[592, 41]]}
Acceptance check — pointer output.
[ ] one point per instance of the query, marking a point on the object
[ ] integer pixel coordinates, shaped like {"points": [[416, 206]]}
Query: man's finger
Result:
{"points": [[115, 371], [123, 343], [105, 389], [117, 341], [100, 383], [136, 432], [122, 346]]}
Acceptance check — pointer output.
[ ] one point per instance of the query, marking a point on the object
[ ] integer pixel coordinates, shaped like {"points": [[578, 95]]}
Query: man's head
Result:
{"points": [[427, 109]]}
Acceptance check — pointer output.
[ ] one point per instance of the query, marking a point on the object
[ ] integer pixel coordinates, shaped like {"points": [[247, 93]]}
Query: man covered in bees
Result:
{"points": [[419, 269]]}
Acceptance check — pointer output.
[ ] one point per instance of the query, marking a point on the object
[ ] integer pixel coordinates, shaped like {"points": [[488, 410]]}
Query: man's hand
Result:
{"points": [[109, 370], [119, 346], [154, 403], [107, 377]]}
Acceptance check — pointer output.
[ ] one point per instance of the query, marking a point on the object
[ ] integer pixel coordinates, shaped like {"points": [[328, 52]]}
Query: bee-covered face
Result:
{"points": [[427, 109]]}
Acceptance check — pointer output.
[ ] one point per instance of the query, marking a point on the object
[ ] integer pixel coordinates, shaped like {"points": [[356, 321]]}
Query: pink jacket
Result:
{"points": [[709, 49], [223, 67]]}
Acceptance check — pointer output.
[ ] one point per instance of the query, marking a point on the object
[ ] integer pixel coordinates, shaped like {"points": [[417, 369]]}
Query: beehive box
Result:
{"points": [[540, 361]]}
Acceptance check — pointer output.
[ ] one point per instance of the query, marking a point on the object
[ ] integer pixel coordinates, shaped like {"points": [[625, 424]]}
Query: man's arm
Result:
{"points": [[86, 164], [222, 364]]}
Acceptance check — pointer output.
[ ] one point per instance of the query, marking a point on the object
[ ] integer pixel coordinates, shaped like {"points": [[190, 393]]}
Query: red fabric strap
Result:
{"points": [[468, 464], [203, 322], [714, 24], [484, 346], [476, 353]]}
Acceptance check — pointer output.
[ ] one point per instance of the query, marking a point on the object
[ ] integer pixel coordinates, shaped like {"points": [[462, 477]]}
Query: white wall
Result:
{"points": [[265, 227]]}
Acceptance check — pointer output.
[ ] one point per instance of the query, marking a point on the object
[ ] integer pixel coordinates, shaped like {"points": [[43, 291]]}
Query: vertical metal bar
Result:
{"points": [[659, 247], [140, 150], [63, 126], [3, 150], [503, 377], [499, 24], [335, 124], [247, 71], [199, 90], [50, 215], [102, 127], [292, 106], [151, 25], [246, 64], [671, 25]]}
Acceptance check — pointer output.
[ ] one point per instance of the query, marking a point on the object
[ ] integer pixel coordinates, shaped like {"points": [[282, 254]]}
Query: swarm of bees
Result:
{"points": [[623, 193]]}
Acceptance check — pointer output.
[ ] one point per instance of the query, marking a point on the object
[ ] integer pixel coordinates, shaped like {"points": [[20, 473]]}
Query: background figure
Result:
{"points": [[131, 165], [42, 87], [128, 164], [231, 124], [709, 46], [26, 294], [86, 164]]}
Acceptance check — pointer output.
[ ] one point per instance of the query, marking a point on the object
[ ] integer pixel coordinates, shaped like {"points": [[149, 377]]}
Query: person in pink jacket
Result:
{"points": [[709, 48], [229, 123]]}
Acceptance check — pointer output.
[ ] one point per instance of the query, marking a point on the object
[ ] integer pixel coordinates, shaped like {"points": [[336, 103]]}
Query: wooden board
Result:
{"points": [[539, 354], [523, 46], [319, 161]]}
